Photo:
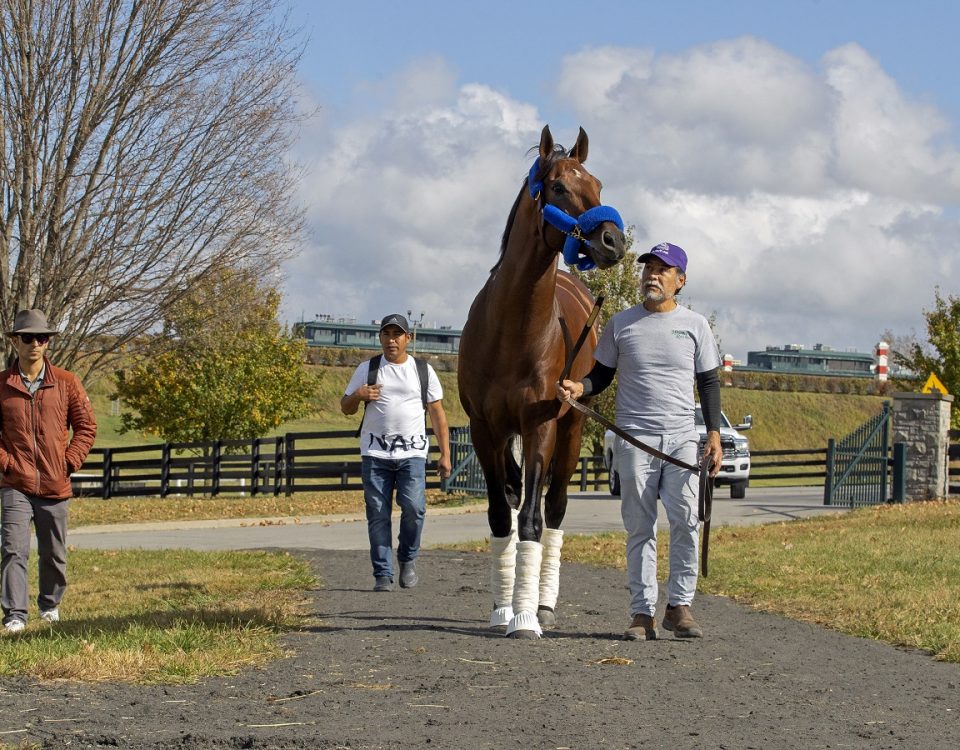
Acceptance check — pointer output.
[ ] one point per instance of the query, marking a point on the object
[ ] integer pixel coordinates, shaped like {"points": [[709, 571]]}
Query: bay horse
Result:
{"points": [[513, 349]]}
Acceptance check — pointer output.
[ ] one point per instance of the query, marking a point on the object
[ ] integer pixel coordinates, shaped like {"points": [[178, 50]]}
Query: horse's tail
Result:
{"points": [[513, 470], [513, 465]]}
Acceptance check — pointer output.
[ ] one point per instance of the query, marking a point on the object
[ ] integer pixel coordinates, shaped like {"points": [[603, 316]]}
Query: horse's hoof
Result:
{"points": [[524, 635], [524, 625], [547, 617]]}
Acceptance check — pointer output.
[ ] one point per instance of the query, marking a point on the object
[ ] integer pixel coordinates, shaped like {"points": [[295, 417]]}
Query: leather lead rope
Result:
{"points": [[583, 337], [631, 439]]}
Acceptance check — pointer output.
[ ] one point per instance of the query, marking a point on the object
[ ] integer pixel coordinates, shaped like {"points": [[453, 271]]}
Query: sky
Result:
{"points": [[805, 154]]}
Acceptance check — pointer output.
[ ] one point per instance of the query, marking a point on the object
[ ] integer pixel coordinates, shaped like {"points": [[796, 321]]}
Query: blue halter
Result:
{"points": [[575, 229]]}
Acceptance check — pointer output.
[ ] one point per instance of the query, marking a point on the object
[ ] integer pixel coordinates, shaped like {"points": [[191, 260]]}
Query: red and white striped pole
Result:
{"points": [[883, 349]]}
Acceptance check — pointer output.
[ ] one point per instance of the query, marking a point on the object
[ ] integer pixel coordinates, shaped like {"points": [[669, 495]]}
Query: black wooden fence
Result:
{"points": [[953, 467], [285, 464], [318, 462]]}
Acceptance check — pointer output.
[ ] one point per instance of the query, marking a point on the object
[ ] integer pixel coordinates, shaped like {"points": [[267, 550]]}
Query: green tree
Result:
{"points": [[142, 143], [620, 287], [942, 354], [217, 371]]}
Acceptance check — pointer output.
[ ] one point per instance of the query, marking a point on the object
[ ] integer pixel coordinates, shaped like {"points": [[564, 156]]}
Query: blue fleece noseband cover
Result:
{"points": [[575, 229]]}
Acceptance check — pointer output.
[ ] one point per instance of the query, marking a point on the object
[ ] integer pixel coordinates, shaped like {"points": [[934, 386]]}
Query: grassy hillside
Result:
{"points": [[781, 419], [797, 420]]}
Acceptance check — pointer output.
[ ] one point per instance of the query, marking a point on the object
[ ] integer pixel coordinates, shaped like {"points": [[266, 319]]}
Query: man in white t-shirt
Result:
{"points": [[394, 447], [659, 350]]}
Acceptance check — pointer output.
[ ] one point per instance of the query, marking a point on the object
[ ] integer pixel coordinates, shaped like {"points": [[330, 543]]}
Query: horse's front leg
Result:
{"points": [[565, 459], [502, 520], [538, 450]]}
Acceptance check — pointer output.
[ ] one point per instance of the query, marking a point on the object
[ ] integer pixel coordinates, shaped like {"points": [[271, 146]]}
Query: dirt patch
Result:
{"points": [[417, 668]]}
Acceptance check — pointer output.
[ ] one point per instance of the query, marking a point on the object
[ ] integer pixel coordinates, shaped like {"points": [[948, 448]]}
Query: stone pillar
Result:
{"points": [[922, 422]]}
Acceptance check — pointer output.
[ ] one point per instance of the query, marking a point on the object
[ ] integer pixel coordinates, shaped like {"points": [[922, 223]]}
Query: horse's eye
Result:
{"points": [[558, 188]]}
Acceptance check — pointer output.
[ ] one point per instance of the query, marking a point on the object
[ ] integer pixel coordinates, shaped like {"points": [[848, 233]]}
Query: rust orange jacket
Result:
{"points": [[37, 454]]}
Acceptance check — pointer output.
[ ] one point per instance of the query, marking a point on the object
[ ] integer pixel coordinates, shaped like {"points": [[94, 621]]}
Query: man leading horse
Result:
{"points": [[659, 349]]}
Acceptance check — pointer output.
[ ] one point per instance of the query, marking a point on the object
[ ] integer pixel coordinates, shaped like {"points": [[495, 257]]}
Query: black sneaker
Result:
{"points": [[408, 575], [383, 583]]}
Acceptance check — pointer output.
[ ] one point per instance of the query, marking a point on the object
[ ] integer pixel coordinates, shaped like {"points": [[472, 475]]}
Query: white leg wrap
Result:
{"points": [[526, 592], [503, 563], [552, 541]]}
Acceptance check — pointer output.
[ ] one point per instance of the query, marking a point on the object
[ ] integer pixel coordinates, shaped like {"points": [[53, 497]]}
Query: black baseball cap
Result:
{"points": [[395, 320]]}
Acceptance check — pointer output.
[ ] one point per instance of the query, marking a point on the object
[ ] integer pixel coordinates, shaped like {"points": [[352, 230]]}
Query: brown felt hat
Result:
{"points": [[31, 321]]}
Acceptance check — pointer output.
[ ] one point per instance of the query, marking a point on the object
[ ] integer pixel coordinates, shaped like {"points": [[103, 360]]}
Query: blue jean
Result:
{"points": [[381, 478]]}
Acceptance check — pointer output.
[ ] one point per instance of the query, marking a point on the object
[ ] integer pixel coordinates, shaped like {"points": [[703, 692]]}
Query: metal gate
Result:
{"points": [[466, 475], [857, 465]]}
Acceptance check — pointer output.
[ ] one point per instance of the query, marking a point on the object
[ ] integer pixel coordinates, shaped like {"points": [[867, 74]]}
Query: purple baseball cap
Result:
{"points": [[667, 252]]}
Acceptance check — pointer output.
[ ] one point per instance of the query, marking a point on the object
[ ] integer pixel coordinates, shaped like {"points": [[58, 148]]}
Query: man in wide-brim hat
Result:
{"points": [[39, 406]]}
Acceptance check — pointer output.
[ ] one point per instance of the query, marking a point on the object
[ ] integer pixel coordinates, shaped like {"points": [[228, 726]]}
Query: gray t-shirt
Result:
{"points": [[656, 356]]}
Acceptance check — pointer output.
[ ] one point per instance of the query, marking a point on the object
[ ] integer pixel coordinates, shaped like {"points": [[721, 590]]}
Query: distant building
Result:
{"points": [[346, 333], [794, 359]]}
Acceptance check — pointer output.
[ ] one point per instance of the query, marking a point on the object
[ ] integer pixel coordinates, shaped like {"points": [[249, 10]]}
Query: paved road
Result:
{"points": [[587, 513]]}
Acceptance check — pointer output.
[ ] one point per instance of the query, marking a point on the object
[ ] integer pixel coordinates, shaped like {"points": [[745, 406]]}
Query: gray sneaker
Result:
{"points": [[14, 626], [383, 583], [50, 615], [408, 575]]}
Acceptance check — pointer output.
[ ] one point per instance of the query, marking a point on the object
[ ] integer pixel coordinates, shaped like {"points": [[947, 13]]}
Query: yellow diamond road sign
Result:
{"points": [[933, 384]]}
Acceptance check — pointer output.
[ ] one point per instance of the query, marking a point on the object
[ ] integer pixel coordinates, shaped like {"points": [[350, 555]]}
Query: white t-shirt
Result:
{"points": [[394, 426], [656, 356]]}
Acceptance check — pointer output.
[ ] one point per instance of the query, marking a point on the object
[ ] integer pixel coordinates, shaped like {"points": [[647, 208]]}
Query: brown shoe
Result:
{"points": [[643, 627], [679, 620]]}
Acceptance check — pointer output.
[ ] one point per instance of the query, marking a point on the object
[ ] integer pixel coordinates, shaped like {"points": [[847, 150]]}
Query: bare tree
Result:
{"points": [[144, 146]]}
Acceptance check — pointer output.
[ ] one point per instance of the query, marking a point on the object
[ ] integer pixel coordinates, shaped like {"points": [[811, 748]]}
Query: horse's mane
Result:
{"points": [[558, 153]]}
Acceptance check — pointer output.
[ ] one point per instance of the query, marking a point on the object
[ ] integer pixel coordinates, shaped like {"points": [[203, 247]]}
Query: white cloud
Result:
{"points": [[407, 207], [817, 204], [808, 199], [884, 141]]}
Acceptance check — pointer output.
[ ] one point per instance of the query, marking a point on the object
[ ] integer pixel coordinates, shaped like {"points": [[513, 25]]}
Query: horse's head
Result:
{"points": [[570, 200]]}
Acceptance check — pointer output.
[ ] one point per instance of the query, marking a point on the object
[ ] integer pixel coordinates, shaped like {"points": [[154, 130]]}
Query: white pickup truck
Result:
{"points": [[734, 471]]}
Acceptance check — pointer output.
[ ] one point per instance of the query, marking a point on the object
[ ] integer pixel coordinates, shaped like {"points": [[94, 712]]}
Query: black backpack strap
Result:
{"points": [[371, 380], [424, 376], [374, 367]]}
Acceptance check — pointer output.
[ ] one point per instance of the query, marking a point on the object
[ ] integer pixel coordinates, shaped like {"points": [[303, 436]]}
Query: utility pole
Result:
{"points": [[416, 324]]}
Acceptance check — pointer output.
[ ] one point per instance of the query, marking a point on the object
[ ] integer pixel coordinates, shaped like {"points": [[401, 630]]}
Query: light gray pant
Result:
{"points": [[643, 479], [50, 520]]}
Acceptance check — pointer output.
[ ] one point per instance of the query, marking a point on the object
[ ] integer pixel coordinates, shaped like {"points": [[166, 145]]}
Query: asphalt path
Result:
{"points": [[587, 513]]}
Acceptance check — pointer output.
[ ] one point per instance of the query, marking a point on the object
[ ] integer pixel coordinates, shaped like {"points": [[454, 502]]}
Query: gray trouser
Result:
{"points": [[643, 479], [50, 520]]}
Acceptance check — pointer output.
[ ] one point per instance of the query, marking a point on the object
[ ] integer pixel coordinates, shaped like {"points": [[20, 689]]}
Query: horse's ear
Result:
{"points": [[546, 143], [579, 150]]}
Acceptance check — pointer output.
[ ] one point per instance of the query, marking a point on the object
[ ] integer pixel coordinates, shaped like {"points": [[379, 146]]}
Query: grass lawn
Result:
{"points": [[159, 616], [891, 573]]}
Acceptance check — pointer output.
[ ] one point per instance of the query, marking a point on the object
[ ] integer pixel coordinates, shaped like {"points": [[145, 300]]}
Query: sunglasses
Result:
{"points": [[29, 338]]}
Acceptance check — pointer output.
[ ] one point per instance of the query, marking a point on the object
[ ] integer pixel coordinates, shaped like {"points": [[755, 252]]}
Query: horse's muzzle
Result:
{"points": [[610, 246]]}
